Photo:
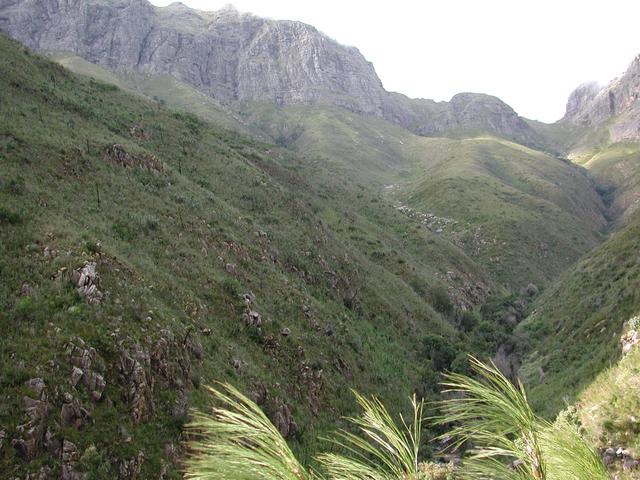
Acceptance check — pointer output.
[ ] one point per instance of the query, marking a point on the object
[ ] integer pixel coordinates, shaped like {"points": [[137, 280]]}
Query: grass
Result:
{"points": [[575, 330], [176, 249], [487, 412], [608, 407], [501, 194]]}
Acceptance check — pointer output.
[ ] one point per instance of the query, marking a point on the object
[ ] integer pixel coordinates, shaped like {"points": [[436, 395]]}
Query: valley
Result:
{"points": [[297, 236]]}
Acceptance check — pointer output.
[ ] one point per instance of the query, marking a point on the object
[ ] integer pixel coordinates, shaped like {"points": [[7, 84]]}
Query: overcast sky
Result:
{"points": [[532, 54]]}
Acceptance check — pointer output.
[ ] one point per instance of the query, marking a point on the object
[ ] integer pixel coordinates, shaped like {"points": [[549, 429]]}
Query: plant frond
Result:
{"points": [[384, 449], [237, 441]]}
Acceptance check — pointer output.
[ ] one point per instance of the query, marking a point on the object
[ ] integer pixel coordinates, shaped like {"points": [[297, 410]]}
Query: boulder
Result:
{"points": [[284, 422]]}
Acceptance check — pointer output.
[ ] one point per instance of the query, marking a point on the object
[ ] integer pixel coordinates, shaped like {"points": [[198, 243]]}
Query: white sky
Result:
{"points": [[531, 54]]}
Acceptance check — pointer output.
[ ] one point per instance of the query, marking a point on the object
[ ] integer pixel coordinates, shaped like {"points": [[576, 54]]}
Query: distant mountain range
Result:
{"points": [[235, 57]]}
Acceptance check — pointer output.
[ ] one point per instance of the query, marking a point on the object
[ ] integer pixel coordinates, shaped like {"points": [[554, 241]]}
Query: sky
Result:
{"points": [[531, 54]]}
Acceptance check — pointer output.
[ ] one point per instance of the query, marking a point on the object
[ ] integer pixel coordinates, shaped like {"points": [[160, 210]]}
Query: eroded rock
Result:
{"points": [[86, 282], [284, 422]]}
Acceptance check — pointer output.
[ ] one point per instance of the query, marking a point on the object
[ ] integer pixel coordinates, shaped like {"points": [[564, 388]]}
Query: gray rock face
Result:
{"points": [[235, 57], [592, 106]]}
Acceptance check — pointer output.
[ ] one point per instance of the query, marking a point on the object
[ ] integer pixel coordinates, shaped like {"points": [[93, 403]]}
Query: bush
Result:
{"points": [[439, 299], [8, 217], [439, 350], [469, 320], [124, 231]]}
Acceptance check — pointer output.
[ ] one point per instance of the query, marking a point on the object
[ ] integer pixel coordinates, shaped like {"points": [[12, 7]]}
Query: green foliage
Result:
{"points": [[8, 217], [237, 441], [439, 298], [508, 440], [439, 351], [382, 451]]}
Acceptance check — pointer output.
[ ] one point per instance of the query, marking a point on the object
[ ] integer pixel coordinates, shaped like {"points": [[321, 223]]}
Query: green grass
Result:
{"points": [[503, 196], [575, 330], [324, 256]]}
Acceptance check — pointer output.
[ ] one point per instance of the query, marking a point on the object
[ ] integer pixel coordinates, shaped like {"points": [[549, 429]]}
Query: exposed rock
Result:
{"points": [[259, 393], [248, 298], [76, 375], [86, 282], [139, 132], [33, 433], [629, 340], [37, 385], [118, 155], [26, 290], [82, 360], [592, 106], [609, 456], [135, 373], [95, 384], [3, 435], [531, 290], [283, 421], [44, 473], [130, 469], [285, 332], [236, 57], [72, 413], [70, 458], [251, 317]]}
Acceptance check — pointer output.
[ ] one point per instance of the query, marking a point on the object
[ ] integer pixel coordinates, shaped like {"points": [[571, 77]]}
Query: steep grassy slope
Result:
{"points": [[162, 88], [608, 408], [617, 167], [523, 214], [507, 200], [218, 258], [575, 328]]}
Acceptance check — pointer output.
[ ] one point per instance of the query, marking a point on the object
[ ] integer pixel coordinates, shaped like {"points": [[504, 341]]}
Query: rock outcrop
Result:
{"points": [[236, 57], [615, 105]]}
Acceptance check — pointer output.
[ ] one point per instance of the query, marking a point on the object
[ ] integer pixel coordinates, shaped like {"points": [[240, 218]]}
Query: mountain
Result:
{"points": [[220, 197], [147, 253], [235, 57], [614, 107]]}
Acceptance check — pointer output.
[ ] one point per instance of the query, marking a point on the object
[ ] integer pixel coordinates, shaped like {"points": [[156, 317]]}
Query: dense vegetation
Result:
{"points": [[306, 252], [218, 258]]}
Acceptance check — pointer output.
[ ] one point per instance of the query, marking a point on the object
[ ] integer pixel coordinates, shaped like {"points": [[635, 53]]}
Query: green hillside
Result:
{"points": [[575, 329], [507, 200], [218, 258]]}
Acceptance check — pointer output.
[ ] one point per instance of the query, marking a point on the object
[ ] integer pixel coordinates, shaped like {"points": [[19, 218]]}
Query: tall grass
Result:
{"points": [[486, 413], [384, 450], [237, 441], [507, 440]]}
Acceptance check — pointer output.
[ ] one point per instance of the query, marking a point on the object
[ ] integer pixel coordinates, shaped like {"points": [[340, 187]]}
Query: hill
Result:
{"points": [[147, 252], [237, 57]]}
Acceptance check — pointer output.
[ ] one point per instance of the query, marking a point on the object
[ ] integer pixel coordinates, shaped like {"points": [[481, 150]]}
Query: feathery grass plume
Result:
{"points": [[385, 450], [568, 456], [237, 441], [493, 415], [508, 440]]}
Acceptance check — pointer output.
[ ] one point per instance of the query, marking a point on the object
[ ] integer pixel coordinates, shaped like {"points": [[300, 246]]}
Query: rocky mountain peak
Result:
{"points": [[236, 57], [592, 106]]}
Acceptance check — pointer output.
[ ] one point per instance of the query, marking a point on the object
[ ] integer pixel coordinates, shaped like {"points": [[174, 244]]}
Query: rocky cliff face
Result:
{"points": [[615, 105], [233, 57]]}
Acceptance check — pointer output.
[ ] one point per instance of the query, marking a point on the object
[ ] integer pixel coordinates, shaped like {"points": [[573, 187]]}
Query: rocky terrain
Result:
{"points": [[361, 239], [237, 57], [614, 107]]}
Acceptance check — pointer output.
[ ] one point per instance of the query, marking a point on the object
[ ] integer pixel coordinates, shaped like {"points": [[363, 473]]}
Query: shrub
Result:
{"points": [[8, 217], [439, 299], [439, 350]]}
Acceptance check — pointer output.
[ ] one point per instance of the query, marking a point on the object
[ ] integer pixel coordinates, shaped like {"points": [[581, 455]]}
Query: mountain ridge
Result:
{"points": [[233, 56]]}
